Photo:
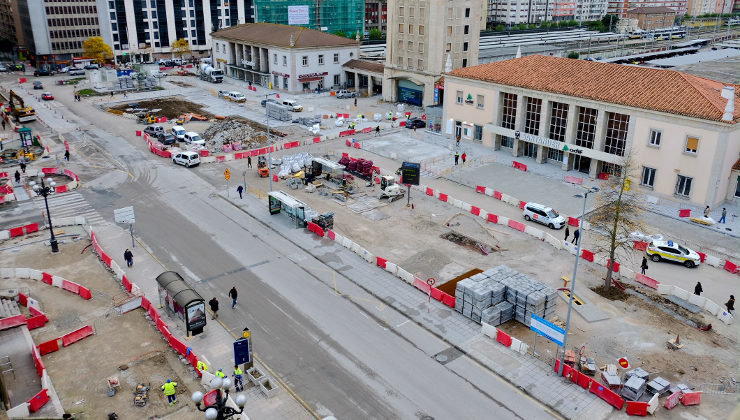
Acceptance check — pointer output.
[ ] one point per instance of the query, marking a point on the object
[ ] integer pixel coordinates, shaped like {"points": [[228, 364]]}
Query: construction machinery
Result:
{"points": [[264, 171], [389, 189], [211, 74], [146, 118], [19, 110]]}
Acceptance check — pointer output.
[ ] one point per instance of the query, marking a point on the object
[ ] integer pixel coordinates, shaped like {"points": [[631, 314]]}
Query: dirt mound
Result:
{"points": [[235, 131], [168, 107], [611, 293]]}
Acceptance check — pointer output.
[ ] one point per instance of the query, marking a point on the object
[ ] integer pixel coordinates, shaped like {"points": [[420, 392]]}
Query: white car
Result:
{"points": [[186, 159], [671, 251], [194, 138], [543, 214], [178, 132]]}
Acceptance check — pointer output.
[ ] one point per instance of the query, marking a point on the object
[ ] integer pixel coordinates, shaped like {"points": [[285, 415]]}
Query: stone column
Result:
{"points": [[598, 140], [543, 130], [570, 134], [357, 82], [520, 104]]}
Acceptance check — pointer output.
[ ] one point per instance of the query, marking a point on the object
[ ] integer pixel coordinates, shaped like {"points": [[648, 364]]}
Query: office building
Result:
{"points": [[323, 15], [376, 15]]}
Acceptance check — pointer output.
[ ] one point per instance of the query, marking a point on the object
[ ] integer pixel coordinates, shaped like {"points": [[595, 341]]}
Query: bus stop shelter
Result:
{"points": [[180, 299]]}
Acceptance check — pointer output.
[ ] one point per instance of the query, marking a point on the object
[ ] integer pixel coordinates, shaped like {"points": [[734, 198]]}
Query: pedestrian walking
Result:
{"points": [[643, 266], [567, 233], [66, 155], [129, 257], [213, 303], [377, 131], [464, 156], [3, 124], [731, 305], [355, 102], [170, 392], [23, 167], [576, 235], [698, 289], [240, 190], [458, 140], [721, 219], [124, 94], [111, 94], [232, 295], [17, 177], [706, 212], [457, 156], [249, 161], [238, 379]]}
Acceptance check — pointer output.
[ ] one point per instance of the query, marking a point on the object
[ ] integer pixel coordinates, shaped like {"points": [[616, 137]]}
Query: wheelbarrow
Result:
{"points": [[113, 383]]}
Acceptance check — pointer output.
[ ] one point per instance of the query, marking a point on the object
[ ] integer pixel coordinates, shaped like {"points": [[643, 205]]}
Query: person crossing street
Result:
{"points": [[232, 295]]}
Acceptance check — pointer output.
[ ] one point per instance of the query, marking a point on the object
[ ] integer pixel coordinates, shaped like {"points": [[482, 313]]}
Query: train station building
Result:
{"points": [[680, 132]]}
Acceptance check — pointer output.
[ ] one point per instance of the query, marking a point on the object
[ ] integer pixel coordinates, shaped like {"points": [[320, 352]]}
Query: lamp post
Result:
{"points": [[218, 410], [45, 191], [575, 273], [269, 143]]}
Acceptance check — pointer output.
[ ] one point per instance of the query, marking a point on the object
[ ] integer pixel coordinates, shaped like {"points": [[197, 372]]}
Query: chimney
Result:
{"points": [[292, 40], [728, 93]]}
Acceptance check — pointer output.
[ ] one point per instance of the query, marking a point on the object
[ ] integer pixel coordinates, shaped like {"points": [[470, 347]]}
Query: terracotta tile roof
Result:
{"points": [[372, 66], [640, 87], [279, 35], [650, 10]]}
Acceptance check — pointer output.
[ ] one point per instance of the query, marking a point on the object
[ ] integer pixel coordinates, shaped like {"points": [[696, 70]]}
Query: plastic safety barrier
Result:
{"points": [[77, 335], [436, 293], [637, 408], [607, 395], [503, 338], [49, 346], [702, 256], [448, 300], [572, 221], [12, 321], [616, 265], [672, 400], [573, 180], [317, 139], [517, 225], [126, 283], [520, 166], [640, 245], [33, 227], [421, 285], [584, 381], [38, 401], [36, 321], [691, 398], [46, 278], [71, 286], [497, 195], [330, 233], [684, 213], [522, 204], [17, 231], [475, 210], [731, 267], [480, 189], [430, 192], [442, 197], [492, 218], [647, 281], [178, 345], [587, 255], [381, 262]]}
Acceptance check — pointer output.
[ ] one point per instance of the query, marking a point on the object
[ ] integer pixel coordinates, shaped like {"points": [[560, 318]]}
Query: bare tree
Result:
{"points": [[617, 213]]}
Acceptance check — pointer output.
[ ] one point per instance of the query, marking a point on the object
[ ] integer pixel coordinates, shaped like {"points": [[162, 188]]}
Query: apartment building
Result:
{"points": [[426, 38], [514, 12], [589, 117], [376, 15], [620, 7]]}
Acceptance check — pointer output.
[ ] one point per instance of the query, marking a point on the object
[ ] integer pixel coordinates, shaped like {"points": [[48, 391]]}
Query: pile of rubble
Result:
{"points": [[230, 131]]}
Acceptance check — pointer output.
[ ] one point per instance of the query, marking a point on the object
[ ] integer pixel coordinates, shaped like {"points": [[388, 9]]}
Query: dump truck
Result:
{"points": [[211, 74], [19, 110]]}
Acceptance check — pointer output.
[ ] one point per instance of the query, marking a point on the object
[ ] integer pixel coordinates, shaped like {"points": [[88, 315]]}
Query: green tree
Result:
{"points": [[181, 47], [610, 22], [573, 55], [96, 49], [376, 34], [340, 33], [499, 27]]}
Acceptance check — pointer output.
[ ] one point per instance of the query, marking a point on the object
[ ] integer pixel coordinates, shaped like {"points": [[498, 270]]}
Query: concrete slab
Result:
{"points": [[684, 304], [400, 146], [588, 310]]}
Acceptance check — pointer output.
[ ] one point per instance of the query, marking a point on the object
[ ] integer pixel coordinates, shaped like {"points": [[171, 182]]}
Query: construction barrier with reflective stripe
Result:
{"points": [[77, 335]]}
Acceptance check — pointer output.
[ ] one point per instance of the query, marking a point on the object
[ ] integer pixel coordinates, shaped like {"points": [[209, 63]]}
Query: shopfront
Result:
{"points": [[410, 93]]}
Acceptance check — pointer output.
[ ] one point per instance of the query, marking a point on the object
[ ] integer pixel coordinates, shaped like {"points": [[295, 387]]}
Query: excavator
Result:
{"points": [[19, 110], [389, 189]]}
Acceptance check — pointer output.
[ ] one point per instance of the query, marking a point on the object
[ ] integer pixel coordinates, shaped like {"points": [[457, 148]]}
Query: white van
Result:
{"points": [[186, 159], [543, 214], [293, 105], [178, 132], [194, 138]]}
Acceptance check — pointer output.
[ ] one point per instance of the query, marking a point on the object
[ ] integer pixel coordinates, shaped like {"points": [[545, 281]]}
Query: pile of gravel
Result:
{"points": [[230, 131]]}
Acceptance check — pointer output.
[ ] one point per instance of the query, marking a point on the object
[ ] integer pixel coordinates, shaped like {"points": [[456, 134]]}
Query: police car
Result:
{"points": [[671, 251]]}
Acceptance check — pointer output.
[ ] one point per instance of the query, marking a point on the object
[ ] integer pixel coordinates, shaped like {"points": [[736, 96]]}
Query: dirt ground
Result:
{"points": [[171, 107], [435, 240], [126, 345]]}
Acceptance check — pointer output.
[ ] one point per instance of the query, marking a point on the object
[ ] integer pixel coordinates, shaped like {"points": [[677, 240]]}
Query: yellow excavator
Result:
{"points": [[19, 110]]}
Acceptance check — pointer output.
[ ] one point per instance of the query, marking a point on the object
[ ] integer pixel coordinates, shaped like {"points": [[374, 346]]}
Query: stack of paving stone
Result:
{"points": [[500, 294], [639, 372], [633, 388], [658, 385]]}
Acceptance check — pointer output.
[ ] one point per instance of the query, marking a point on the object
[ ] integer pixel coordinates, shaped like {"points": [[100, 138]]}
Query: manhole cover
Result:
{"points": [[441, 358]]}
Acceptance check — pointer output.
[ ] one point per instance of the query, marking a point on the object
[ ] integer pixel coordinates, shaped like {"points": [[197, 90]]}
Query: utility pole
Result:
{"points": [[269, 142]]}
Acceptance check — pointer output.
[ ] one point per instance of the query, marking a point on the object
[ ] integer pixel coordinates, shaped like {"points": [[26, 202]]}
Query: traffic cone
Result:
{"points": [[678, 340]]}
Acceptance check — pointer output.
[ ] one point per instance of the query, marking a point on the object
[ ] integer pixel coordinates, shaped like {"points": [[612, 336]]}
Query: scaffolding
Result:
{"points": [[330, 16]]}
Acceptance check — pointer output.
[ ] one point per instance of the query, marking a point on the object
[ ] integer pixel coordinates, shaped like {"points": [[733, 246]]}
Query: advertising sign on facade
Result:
{"points": [[196, 316], [297, 15]]}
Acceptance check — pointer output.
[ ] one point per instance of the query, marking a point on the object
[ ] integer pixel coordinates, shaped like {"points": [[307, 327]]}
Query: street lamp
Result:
{"points": [[575, 273], [269, 143], [218, 410], [45, 191]]}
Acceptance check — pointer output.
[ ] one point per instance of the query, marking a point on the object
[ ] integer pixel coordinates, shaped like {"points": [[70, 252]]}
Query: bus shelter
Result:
{"points": [[178, 298], [281, 202]]}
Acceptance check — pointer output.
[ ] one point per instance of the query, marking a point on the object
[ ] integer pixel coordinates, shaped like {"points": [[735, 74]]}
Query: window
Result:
{"points": [[285, 82], [460, 97], [692, 145], [448, 48], [274, 59], [532, 118], [421, 47], [336, 58], [508, 111], [421, 12], [467, 12], [558, 120], [305, 60], [400, 11], [611, 168], [554, 154], [655, 136], [410, 46], [478, 133], [421, 29], [321, 59], [648, 176], [410, 63], [420, 64], [586, 127], [411, 12], [616, 133], [479, 102], [449, 33], [411, 28], [465, 46], [337, 80], [285, 60], [465, 62], [683, 185], [466, 29], [400, 28], [450, 13]]}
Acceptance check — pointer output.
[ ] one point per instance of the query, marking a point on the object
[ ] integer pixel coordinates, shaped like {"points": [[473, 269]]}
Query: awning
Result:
{"points": [[310, 79]]}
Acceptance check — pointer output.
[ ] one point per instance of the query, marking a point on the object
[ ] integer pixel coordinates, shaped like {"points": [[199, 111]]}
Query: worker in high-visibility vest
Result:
{"points": [[238, 379], [169, 391], [202, 367], [220, 373]]}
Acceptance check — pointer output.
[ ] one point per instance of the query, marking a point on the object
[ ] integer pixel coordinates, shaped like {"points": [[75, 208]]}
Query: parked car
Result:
{"points": [[416, 123], [672, 251], [194, 138], [341, 94], [265, 101], [154, 130], [237, 97], [92, 67], [74, 71], [187, 159], [43, 72], [166, 138], [543, 214], [178, 132], [293, 105], [47, 96], [159, 74], [38, 85], [3, 68]]}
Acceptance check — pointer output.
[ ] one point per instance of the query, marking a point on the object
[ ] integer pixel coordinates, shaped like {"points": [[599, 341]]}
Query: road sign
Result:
{"points": [[624, 363], [124, 215], [227, 174], [547, 329]]}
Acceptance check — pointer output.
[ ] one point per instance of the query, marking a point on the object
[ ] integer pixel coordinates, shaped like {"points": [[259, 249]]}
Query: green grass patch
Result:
{"points": [[89, 92]]}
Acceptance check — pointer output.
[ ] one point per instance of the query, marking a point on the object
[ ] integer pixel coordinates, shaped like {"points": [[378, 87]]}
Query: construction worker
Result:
{"points": [[202, 367], [238, 379], [220, 373], [169, 391]]}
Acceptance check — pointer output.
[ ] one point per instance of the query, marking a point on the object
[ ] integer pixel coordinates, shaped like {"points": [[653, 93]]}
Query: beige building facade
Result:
{"points": [[424, 39], [589, 118]]}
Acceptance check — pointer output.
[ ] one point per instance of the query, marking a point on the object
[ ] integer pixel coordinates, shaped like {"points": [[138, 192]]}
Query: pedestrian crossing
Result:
{"points": [[70, 204]]}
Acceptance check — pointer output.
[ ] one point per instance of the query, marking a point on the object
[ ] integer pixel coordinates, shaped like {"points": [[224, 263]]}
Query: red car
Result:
{"points": [[47, 96]]}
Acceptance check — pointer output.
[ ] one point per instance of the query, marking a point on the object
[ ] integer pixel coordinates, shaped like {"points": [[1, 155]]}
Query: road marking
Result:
{"points": [[401, 324]]}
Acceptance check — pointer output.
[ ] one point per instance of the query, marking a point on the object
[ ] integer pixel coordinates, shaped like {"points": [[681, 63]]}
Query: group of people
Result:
{"points": [[170, 391], [576, 235], [464, 156], [722, 219], [213, 303]]}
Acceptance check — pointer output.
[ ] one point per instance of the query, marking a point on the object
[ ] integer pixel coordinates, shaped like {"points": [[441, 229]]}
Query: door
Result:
{"points": [[529, 149], [581, 163]]}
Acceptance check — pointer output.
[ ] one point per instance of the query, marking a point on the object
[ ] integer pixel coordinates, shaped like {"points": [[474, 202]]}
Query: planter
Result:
{"points": [[255, 375], [268, 387]]}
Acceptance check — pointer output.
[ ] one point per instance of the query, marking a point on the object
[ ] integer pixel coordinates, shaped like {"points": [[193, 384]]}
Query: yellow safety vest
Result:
{"points": [[201, 366], [220, 374], [169, 388], [237, 371]]}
